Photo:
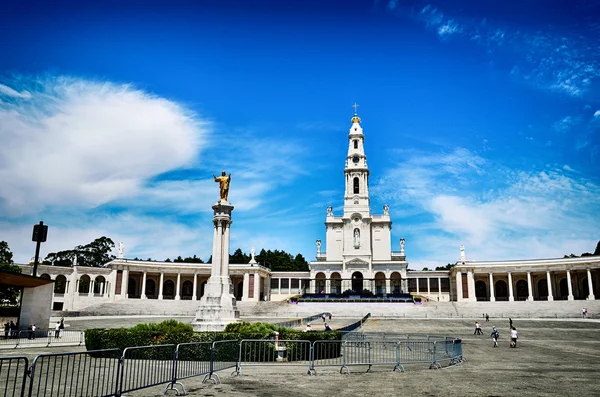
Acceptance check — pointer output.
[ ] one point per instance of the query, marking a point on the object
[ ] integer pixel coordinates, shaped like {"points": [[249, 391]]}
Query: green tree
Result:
{"points": [[447, 267], [8, 294], [95, 254]]}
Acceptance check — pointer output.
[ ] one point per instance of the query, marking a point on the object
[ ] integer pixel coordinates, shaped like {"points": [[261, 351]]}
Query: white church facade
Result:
{"points": [[357, 259]]}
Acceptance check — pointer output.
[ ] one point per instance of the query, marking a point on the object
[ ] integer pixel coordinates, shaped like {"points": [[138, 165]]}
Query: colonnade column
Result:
{"points": [[417, 279], [246, 286], [125, 283], [327, 286], [143, 293], [511, 297], [195, 288], [471, 284], [160, 285], [570, 297], [439, 288], [550, 297], [590, 285], [529, 287], [492, 293], [177, 297], [388, 286], [428, 287], [257, 286], [91, 288], [459, 296]]}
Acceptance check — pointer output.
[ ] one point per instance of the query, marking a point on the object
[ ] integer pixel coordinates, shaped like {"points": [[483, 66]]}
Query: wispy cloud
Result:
{"points": [[550, 59], [497, 212]]}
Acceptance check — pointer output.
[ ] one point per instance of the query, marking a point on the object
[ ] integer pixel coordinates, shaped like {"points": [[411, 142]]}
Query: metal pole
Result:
{"points": [[37, 250]]}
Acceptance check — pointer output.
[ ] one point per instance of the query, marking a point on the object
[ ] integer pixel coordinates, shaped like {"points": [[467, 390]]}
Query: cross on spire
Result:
{"points": [[355, 106]]}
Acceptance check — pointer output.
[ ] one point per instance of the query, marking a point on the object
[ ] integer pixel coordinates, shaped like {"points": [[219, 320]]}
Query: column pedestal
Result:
{"points": [[217, 305]]}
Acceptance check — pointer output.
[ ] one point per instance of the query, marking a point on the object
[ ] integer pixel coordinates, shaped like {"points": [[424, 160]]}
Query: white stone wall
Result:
{"points": [[36, 306]]}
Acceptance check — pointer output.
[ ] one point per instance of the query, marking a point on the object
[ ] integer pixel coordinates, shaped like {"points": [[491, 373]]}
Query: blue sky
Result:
{"points": [[481, 120]]}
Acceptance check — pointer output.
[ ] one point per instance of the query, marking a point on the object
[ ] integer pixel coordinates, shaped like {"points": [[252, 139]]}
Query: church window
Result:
{"points": [[355, 144], [355, 185]]}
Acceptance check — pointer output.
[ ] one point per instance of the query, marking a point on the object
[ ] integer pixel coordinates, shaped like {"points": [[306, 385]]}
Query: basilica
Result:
{"points": [[357, 260]]}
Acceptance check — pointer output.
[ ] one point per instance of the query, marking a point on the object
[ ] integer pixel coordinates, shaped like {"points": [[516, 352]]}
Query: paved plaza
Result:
{"points": [[554, 357]]}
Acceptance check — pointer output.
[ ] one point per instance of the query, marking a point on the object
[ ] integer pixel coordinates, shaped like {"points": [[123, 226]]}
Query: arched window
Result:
{"points": [[355, 144], [356, 185], [84, 284], [60, 284]]}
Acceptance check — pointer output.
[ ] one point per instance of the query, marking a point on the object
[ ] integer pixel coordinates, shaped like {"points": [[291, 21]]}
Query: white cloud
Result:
{"points": [[449, 28], [597, 113], [565, 124], [498, 213], [7, 91], [84, 143]]}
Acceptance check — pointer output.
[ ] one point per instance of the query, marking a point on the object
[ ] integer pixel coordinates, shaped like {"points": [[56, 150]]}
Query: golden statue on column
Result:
{"points": [[224, 181]]}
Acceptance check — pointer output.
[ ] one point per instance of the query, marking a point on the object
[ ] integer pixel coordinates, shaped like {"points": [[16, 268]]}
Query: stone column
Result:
{"points": [[590, 285], [195, 288], [439, 288], [459, 296], [160, 286], [388, 286], [246, 286], [328, 285], [492, 293], [91, 290], [143, 294], [471, 283], [511, 296], [257, 286], [218, 304], [177, 288], [549, 283], [529, 287], [570, 297], [418, 292], [125, 284], [428, 288]]}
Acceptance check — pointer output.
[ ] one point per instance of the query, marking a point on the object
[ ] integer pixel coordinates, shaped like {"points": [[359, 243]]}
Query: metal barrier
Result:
{"points": [[89, 373], [13, 375], [327, 353], [146, 366], [260, 352], [38, 337], [111, 373], [224, 355]]}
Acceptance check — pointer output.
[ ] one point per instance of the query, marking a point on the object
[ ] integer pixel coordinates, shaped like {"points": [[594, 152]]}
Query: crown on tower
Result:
{"points": [[355, 119]]}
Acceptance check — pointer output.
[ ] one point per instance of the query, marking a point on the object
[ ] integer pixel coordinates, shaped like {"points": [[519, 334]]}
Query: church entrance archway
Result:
{"points": [[169, 290], [357, 282], [501, 290], [481, 290], [320, 283], [542, 289], [380, 283], [187, 290], [239, 291], [522, 291], [336, 283], [150, 289], [564, 288], [396, 283]]}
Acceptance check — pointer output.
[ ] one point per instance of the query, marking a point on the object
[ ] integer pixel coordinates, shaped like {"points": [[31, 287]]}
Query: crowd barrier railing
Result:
{"points": [[88, 373], [28, 338], [13, 375], [111, 372]]}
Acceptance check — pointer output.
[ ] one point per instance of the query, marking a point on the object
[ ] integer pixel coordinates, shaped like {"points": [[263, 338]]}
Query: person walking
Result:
{"points": [[495, 336], [513, 337], [61, 327], [33, 328], [6, 330], [510, 323], [57, 330], [487, 317], [13, 332]]}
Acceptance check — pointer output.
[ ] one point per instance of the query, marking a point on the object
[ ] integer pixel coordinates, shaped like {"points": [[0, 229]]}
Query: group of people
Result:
{"points": [[495, 334], [11, 330], [324, 318]]}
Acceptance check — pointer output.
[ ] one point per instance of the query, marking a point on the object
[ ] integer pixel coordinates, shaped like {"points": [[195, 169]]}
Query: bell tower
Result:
{"points": [[356, 196]]}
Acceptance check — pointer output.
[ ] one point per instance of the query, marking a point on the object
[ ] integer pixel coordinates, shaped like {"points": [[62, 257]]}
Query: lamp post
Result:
{"points": [[40, 233]]}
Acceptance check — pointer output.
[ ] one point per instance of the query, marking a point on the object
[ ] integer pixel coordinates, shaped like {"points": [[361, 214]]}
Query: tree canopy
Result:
{"points": [[8, 294], [95, 254], [281, 261]]}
